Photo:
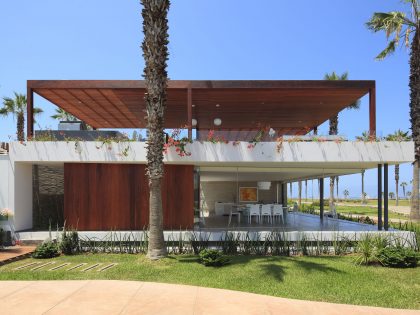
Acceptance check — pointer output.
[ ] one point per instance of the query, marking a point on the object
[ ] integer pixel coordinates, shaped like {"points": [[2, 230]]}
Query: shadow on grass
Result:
{"points": [[311, 266]]}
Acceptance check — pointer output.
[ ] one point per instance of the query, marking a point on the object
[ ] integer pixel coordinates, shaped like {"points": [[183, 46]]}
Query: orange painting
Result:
{"points": [[248, 194]]}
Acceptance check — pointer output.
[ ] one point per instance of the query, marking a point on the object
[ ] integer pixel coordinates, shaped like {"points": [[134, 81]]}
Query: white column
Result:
{"points": [[23, 196]]}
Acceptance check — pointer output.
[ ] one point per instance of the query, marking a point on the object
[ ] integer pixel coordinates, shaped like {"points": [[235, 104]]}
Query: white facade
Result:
{"points": [[289, 162]]}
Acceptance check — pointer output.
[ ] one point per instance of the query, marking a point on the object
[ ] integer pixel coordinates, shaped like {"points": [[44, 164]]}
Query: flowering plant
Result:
{"points": [[174, 140], [211, 137]]}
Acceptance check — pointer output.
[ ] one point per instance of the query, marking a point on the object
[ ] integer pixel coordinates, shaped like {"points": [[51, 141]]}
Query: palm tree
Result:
{"points": [[405, 28], [391, 195], [300, 194], [363, 187], [399, 136], [291, 191], [336, 184], [17, 107], [403, 185], [346, 193], [155, 53], [306, 190], [62, 115], [334, 122]]}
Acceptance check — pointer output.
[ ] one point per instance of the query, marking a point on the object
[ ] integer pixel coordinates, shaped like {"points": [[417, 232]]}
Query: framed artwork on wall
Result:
{"points": [[248, 194]]}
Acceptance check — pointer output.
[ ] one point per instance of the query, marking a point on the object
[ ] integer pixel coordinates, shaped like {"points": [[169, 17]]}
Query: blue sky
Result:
{"points": [[217, 39]]}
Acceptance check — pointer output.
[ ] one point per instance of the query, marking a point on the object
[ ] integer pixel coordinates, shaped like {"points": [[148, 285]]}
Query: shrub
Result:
{"points": [[69, 244], [398, 257], [212, 257], [365, 249], [47, 249]]}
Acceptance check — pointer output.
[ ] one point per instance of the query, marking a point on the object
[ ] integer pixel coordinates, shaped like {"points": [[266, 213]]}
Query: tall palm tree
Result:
{"points": [[363, 187], [17, 107], [306, 190], [333, 76], [291, 191], [405, 28], [336, 184], [300, 194], [403, 185], [400, 136], [155, 53]]}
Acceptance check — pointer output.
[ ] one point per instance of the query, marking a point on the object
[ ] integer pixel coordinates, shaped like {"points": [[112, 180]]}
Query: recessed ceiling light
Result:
{"points": [[299, 121], [193, 105], [217, 105]]}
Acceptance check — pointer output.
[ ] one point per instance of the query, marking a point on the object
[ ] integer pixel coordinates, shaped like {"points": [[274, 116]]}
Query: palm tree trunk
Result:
{"points": [[20, 127], [363, 188], [300, 194], [291, 195], [155, 53], [306, 190], [414, 84], [333, 131], [336, 185], [397, 178], [331, 201]]}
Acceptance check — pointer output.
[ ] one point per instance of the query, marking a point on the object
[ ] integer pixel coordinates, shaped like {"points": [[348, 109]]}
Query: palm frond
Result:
{"points": [[390, 49]]}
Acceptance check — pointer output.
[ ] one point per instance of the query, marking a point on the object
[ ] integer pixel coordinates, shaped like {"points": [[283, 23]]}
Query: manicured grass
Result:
{"points": [[330, 279]]}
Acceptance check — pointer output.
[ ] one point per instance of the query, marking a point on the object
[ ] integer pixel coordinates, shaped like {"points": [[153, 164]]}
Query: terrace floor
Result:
{"points": [[294, 222]]}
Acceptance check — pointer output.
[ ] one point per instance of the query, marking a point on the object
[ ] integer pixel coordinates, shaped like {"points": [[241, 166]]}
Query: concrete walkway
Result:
{"points": [[134, 297]]}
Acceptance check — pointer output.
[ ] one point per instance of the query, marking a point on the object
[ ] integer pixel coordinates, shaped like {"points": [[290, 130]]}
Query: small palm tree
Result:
{"points": [[62, 115], [346, 193], [391, 195], [403, 185], [405, 28], [17, 107], [399, 136]]}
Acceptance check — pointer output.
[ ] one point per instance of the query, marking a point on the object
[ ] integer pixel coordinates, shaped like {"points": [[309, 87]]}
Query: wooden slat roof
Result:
{"points": [[291, 106]]}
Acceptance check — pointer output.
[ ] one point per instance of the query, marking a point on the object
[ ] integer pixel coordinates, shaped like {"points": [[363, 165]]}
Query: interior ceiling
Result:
{"points": [[289, 107]]}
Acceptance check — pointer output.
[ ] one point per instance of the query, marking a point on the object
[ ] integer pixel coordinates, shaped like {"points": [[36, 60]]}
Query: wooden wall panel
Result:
{"points": [[116, 196]]}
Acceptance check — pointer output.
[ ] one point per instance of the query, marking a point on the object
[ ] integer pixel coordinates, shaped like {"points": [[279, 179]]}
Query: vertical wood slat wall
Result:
{"points": [[116, 196]]}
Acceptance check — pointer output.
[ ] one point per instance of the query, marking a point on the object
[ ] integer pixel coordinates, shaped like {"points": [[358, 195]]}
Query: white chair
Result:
{"points": [[266, 212], [254, 211], [278, 212]]}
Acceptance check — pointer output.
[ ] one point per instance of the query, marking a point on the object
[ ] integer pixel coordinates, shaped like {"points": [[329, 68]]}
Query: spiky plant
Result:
{"points": [[155, 53], [17, 107], [403, 28]]}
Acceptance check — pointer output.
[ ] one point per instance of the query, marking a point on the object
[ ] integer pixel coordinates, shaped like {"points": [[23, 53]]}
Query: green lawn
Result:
{"points": [[331, 279]]}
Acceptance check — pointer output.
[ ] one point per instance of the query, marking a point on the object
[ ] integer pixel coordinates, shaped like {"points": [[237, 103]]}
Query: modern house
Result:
{"points": [[248, 140]]}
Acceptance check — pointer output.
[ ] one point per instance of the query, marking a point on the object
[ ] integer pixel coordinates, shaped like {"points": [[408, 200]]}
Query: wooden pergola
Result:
{"points": [[289, 107]]}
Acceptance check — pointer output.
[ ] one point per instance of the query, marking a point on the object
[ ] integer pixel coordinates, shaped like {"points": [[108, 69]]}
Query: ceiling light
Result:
{"points": [[194, 122], [217, 105], [217, 121], [192, 105]]}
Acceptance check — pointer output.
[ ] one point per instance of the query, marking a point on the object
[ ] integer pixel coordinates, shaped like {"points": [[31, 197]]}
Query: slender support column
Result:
{"points": [[386, 197], [189, 104], [315, 130], [379, 197], [29, 113], [372, 112], [321, 199]]}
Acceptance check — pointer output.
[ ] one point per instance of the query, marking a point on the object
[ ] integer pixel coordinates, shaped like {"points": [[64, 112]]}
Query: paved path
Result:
{"points": [[10, 253], [134, 297]]}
